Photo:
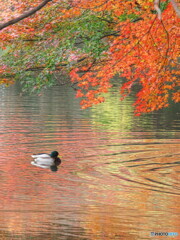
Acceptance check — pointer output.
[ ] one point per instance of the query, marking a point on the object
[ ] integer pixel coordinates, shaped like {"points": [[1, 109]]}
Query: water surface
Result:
{"points": [[119, 177]]}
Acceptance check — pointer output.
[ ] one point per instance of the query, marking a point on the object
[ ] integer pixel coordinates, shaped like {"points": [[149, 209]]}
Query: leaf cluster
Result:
{"points": [[92, 42]]}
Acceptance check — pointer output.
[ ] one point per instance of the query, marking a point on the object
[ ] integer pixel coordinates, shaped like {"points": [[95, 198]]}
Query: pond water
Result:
{"points": [[119, 177]]}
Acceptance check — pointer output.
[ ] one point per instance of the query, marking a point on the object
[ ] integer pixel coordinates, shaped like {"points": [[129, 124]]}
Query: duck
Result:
{"points": [[45, 159]]}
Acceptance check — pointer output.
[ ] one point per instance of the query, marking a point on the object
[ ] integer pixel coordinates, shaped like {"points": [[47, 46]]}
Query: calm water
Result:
{"points": [[119, 178]]}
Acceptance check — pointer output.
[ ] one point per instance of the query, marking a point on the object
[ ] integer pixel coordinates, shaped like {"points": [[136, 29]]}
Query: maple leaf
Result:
{"points": [[93, 42]]}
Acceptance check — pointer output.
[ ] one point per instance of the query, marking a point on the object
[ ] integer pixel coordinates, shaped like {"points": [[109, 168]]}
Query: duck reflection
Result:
{"points": [[48, 161]]}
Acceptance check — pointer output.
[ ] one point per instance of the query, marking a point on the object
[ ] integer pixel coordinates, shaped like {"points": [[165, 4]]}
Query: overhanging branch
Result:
{"points": [[24, 15]]}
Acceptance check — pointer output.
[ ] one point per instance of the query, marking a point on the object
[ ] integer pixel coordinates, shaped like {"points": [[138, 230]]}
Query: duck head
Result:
{"points": [[54, 154]]}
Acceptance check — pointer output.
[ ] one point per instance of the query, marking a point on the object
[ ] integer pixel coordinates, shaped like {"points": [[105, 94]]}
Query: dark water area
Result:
{"points": [[119, 177]]}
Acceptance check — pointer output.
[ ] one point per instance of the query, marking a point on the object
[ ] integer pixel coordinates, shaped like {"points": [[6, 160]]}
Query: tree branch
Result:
{"points": [[24, 15], [156, 7]]}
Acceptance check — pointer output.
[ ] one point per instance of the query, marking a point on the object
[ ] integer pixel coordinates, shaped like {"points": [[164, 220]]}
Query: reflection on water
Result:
{"points": [[119, 177]]}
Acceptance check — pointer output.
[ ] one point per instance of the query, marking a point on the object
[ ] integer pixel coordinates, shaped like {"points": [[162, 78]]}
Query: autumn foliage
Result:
{"points": [[94, 41]]}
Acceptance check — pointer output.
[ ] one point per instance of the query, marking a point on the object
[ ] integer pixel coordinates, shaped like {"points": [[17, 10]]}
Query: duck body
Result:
{"points": [[45, 159]]}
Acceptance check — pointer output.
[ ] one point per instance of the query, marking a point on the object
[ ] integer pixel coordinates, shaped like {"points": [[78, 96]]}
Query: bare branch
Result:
{"points": [[24, 15]]}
